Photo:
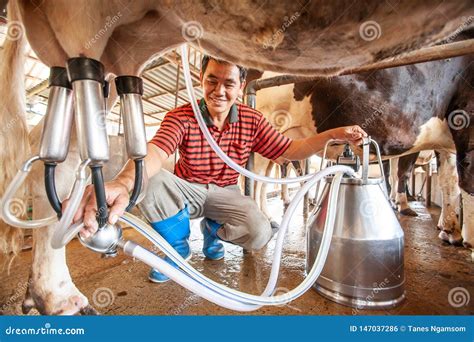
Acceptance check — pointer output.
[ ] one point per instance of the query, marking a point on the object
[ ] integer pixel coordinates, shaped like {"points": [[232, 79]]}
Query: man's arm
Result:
{"points": [[117, 191], [300, 149], [153, 161]]}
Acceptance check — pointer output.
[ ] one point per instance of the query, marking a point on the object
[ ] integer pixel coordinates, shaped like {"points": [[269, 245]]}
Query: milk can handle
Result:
{"points": [[366, 156], [329, 143], [365, 159]]}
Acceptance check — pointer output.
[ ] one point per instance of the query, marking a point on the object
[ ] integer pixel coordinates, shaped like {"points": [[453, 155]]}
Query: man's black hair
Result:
{"points": [[205, 61]]}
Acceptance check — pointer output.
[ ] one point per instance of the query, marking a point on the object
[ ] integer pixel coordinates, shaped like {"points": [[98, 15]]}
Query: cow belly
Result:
{"points": [[434, 134]]}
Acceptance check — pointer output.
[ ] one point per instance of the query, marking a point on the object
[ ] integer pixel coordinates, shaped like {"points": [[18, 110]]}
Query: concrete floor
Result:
{"points": [[119, 286]]}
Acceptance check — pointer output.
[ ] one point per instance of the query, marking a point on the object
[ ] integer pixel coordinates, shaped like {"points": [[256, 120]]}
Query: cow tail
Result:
{"points": [[14, 144]]}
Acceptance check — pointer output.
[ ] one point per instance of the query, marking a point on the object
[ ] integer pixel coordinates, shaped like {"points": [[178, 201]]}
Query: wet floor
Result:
{"points": [[119, 286]]}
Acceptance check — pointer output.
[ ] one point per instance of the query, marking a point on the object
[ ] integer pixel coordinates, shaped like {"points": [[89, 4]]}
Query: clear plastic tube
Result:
{"points": [[181, 278], [251, 302], [210, 139], [190, 278], [9, 201], [193, 280], [244, 301], [64, 232], [156, 238]]}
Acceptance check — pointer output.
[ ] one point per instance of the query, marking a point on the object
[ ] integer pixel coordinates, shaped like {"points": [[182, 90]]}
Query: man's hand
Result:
{"points": [[116, 191], [304, 148], [352, 134], [117, 199]]}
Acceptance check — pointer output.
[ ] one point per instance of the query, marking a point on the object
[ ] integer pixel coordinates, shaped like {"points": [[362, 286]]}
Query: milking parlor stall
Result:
{"points": [[238, 158]]}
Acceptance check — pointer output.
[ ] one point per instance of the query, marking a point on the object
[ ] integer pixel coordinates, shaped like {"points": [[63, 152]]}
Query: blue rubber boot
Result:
{"points": [[212, 248], [175, 230]]}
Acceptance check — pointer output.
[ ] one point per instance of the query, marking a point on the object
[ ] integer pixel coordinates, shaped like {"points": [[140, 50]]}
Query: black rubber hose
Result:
{"points": [[98, 181], [49, 171], [137, 186]]}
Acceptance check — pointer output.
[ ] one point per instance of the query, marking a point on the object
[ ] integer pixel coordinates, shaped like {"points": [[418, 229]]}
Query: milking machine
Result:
{"points": [[84, 76], [130, 90], [82, 84], [87, 76], [54, 147]]}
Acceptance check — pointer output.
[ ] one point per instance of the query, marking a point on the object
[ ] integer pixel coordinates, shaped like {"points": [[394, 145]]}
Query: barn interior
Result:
{"points": [[433, 269]]}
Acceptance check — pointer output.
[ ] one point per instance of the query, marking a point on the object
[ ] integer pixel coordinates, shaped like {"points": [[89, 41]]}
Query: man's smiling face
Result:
{"points": [[221, 86]]}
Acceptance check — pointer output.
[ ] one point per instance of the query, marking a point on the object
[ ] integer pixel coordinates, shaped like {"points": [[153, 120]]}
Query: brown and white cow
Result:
{"points": [[314, 37], [406, 109]]}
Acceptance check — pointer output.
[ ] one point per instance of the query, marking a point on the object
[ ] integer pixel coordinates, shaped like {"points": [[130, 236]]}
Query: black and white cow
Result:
{"points": [[406, 110]]}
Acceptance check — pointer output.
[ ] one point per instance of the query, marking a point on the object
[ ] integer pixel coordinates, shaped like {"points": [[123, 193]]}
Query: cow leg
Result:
{"points": [[297, 165], [285, 196], [465, 166], [405, 169], [262, 198], [306, 199], [449, 218], [285, 193], [256, 193], [386, 171], [300, 170], [265, 167], [263, 190], [393, 180], [468, 219], [50, 287]]}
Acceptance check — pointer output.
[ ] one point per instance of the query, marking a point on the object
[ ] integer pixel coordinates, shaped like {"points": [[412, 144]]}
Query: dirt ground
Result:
{"points": [[119, 286]]}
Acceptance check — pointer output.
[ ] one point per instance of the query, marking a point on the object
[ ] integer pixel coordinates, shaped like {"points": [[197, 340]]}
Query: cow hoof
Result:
{"points": [[27, 305], [71, 305], [66, 300], [408, 212], [89, 311], [443, 236], [455, 239]]}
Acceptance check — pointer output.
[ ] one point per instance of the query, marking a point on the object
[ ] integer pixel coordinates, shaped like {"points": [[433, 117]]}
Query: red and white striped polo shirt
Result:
{"points": [[246, 131]]}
